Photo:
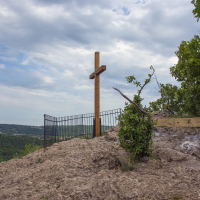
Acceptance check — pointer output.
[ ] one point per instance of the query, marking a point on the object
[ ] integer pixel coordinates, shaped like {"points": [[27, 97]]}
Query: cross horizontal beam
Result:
{"points": [[98, 71]]}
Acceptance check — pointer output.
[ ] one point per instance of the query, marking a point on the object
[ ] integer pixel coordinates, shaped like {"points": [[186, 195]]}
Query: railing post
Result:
{"points": [[94, 127], [82, 125], [120, 114], [55, 130], [44, 130], [100, 126]]}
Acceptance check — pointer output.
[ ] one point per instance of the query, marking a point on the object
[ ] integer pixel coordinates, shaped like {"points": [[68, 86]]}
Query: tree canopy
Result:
{"points": [[196, 11], [188, 71], [183, 101]]}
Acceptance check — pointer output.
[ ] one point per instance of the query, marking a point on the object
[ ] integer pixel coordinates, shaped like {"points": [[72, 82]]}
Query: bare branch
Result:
{"points": [[130, 142], [144, 111], [145, 83], [145, 108], [126, 113], [158, 83], [141, 109], [166, 96]]}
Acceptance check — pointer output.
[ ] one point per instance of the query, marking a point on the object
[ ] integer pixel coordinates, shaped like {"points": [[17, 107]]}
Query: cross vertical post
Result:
{"points": [[95, 75], [97, 96]]}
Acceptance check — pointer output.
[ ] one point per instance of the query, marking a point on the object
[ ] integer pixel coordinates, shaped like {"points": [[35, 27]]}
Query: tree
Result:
{"points": [[183, 101], [188, 71], [196, 11]]}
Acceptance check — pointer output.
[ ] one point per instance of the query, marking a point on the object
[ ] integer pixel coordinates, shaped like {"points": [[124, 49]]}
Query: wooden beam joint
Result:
{"points": [[98, 71]]}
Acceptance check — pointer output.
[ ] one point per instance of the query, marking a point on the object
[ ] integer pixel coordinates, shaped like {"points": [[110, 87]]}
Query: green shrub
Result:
{"points": [[135, 133]]}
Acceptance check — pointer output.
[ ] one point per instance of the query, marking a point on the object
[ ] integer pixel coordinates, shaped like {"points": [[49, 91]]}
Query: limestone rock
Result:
{"points": [[160, 115], [91, 169]]}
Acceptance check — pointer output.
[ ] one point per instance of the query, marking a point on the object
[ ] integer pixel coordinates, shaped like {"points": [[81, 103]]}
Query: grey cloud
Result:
{"points": [[31, 31], [80, 4], [58, 40]]}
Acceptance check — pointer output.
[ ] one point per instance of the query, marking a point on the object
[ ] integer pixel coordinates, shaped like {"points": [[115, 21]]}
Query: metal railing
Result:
{"points": [[57, 129]]}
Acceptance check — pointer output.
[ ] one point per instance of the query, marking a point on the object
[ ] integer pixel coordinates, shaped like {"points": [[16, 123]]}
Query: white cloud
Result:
{"points": [[25, 62], [44, 78], [2, 66]]}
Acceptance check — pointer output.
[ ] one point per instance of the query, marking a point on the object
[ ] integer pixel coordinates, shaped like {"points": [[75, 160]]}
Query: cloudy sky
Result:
{"points": [[47, 53]]}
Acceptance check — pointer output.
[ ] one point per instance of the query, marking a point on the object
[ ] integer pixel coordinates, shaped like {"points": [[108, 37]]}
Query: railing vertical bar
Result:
{"points": [[100, 126], [108, 119], [113, 119], [44, 130], [104, 123], [65, 128]]}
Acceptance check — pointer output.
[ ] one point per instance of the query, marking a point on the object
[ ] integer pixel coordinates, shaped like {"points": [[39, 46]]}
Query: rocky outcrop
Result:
{"points": [[160, 115], [92, 169]]}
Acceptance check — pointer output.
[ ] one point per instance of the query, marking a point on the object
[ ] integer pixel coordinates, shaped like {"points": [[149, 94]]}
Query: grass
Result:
{"points": [[85, 137], [127, 166], [46, 198], [177, 197]]}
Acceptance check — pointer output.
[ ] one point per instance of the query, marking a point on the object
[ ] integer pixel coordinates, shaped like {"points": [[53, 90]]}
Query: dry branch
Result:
{"points": [[167, 97], [146, 83], [141, 109]]}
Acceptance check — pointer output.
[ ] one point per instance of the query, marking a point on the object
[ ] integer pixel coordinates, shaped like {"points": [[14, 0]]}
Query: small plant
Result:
{"points": [[128, 165], [58, 186], [155, 157], [46, 198], [85, 137], [166, 129], [177, 197], [88, 137], [39, 160]]}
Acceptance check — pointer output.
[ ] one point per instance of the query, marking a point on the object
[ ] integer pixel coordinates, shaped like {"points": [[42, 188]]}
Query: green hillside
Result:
{"points": [[10, 145], [15, 140], [13, 129]]}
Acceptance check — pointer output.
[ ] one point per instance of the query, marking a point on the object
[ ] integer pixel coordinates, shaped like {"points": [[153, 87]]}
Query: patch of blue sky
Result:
{"points": [[124, 9], [11, 58], [2, 46], [4, 49], [18, 60], [14, 72], [141, 1]]}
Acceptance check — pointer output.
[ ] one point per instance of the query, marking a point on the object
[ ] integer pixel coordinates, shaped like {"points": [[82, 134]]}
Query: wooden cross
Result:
{"points": [[97, 71]]}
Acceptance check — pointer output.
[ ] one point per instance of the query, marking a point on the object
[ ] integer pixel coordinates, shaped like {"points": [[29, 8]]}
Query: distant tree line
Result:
{"points": [[11, 129]]}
